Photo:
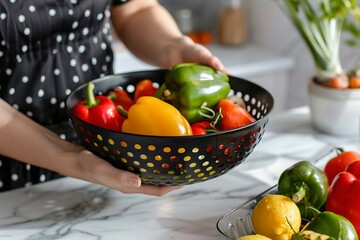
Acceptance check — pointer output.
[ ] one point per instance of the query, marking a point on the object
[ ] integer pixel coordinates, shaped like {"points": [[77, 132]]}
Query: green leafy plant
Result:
{"points": [[320, 24], [352, 26]]}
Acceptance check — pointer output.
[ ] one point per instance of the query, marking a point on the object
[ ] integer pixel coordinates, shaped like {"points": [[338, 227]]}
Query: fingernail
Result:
{"points": [[134, 182]]}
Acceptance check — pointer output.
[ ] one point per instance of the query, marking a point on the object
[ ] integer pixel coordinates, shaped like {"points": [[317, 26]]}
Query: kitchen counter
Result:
{"points": [[72, 209]]}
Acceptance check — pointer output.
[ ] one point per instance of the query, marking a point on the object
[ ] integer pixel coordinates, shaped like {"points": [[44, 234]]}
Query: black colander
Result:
{"points": [[181, 160]]}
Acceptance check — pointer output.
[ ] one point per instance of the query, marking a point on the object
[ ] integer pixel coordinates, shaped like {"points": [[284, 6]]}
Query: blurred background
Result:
{"points": [[255, 41]]}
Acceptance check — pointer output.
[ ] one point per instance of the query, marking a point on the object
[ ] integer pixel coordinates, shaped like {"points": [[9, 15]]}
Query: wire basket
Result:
{"points": [[181, 160], [237, 222]]}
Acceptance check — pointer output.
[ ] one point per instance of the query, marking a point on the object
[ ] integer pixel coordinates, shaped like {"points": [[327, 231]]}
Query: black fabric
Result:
{"points": [[118, 2], [48, 48]]}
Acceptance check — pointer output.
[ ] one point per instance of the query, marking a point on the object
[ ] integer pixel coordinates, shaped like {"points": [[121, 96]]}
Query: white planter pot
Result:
{"points": [[335, 111]]}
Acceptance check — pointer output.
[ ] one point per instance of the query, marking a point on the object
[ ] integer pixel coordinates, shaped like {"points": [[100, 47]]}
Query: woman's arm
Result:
{"points": [[25, 140], [150, 33]]}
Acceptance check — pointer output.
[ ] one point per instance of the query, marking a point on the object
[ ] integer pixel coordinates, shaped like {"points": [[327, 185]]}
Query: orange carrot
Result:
{"points": [[354, 81], [338, 82]]}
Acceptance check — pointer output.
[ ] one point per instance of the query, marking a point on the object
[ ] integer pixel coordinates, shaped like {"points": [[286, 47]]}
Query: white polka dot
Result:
{"points": [[87, 13], [74, 1], [16, 106], [42, 178], [32, 8], [24, 48], [3, 16], [1, 184], [93, 61], [84, 67], [103, 46], [95, 40], [41, 93], [12, 1], [67, 91], [76, 79], [63, 136], [105, 30], [52, 12], [14, 177], [28, 100], [85, 31], [73, 62], [18, 58], [74, 25], [27, 31], [99, 16], [3, 43], [69, 49], [53, 100], [30, 114], [58, 38], [25, 79], [1, 53], [11, 91], [70, 12], [54, 51], [0, 163], [57, 72], [28, 167], [102, 75], [107, 58], [8, 71], [81, 48], [42, 78], [104, 68], [107, 13], [62, 105], [21, 18], [71, 36]]}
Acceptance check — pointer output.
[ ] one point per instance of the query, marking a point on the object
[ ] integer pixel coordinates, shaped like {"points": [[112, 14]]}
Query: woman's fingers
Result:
{"points": [[99, 171]]}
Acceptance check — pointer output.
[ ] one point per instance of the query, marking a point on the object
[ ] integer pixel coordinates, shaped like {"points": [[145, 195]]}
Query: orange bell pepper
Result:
{"points": [[152, 116]]}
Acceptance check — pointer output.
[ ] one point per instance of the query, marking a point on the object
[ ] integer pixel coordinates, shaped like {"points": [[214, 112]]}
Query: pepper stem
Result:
{"points": [[122, 111], [91, 101], [300, 192]]}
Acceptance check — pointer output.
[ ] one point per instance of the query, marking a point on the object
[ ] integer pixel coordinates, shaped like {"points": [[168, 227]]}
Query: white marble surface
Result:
{"points": [[71, 209]]}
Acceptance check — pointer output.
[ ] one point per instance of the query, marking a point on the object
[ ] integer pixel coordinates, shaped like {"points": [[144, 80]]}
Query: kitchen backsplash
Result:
{"points": [[268, 28]]}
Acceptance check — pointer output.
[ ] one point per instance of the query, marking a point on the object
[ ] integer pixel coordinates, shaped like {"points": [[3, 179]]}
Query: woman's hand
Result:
{"points": [[97, 170], [29, 142], [184, 49], [150, 33]]}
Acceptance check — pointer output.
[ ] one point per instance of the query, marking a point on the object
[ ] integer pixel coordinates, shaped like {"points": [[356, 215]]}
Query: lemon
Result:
{"points": [[277, 217], [253, 237]]}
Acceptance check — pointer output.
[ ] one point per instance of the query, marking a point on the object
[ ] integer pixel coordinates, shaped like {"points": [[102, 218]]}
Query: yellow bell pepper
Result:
{"points": [[152, 116]]}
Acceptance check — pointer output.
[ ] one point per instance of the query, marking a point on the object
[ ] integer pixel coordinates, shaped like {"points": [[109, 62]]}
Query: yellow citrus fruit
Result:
{"points": [[253, 237], [277, 217]]}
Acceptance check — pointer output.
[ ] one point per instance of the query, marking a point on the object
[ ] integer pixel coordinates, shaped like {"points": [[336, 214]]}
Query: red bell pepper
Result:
{"points": [[202, 128], [144, 88], [344, 192], [121, 97], [232, 115], [98, 110], [339, 163]]}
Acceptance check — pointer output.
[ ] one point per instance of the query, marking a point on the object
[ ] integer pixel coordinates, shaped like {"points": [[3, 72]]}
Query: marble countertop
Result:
{"points": [[72, 209]]}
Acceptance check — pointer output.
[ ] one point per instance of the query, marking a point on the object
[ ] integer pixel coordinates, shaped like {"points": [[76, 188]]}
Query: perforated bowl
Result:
{"points": [[181, 160]]}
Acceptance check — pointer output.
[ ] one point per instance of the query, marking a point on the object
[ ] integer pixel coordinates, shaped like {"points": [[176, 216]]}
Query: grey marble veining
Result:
{"points": [[72, 209]]}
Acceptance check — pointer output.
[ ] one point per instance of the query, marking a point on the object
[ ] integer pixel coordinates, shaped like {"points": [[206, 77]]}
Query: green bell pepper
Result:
{"points": [[306, 185], [335, 226], [194, 89]]}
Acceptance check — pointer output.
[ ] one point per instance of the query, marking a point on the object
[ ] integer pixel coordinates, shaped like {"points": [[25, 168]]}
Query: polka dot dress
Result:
{"points": [[47, 48]]}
